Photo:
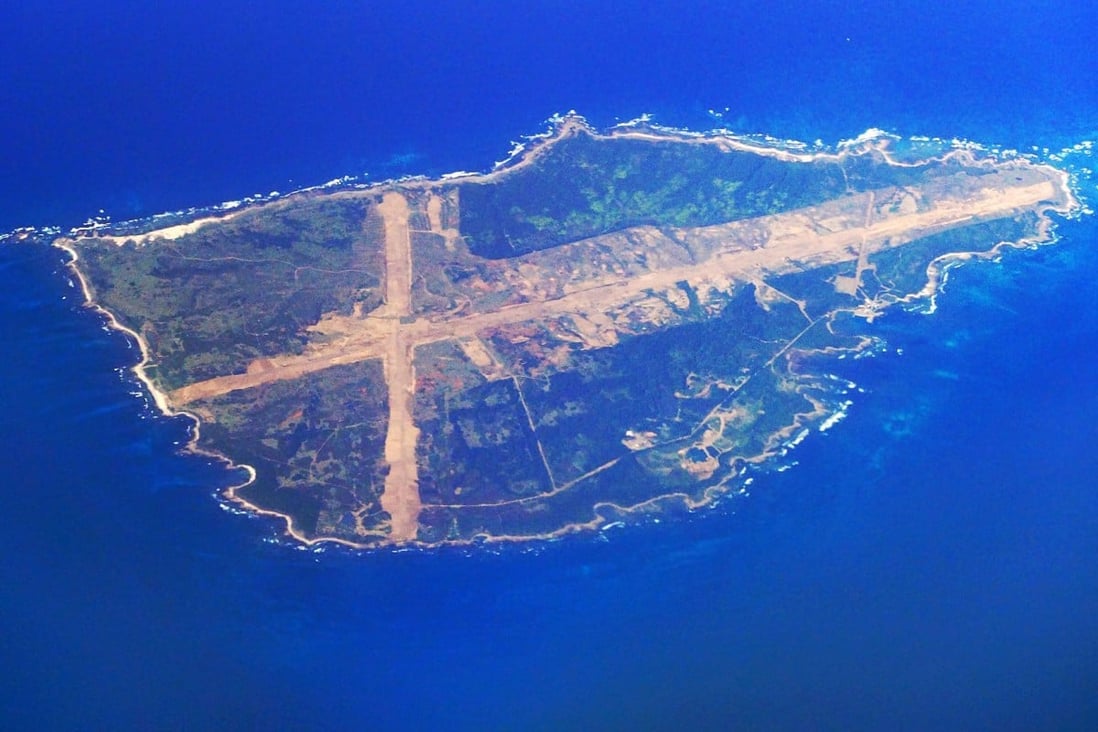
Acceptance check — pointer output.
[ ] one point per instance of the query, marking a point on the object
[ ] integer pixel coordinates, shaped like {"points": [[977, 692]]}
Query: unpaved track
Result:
{"points": [[401, 495], [794, 244]]}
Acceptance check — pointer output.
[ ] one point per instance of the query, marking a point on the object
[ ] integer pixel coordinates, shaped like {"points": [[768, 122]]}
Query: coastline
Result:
{"points": [[524, 156], [524, 153]]}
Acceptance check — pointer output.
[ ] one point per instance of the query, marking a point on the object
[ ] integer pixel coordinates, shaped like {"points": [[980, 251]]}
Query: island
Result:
{"points": [[607, 327]]}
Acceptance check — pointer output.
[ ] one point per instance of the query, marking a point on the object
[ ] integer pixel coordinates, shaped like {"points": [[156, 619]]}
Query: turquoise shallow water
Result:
{"points": [[929, 563]]}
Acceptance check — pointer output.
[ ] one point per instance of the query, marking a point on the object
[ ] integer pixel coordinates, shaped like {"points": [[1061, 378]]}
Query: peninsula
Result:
{"points": [[609, 325]]}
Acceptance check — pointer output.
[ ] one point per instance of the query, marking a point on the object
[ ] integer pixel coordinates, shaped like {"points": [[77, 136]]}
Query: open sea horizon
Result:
{"points": [[930, 562]]}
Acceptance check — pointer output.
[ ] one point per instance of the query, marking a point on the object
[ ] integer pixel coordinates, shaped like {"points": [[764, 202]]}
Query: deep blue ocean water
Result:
{"points": [[930, 563]]}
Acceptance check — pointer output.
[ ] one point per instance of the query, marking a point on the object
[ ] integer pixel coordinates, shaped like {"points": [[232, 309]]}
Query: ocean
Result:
{"points": [[930, 562]]}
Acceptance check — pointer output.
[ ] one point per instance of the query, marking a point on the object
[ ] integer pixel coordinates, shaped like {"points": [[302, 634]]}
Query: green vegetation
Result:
{"points": [[481, 443], [212, 301], [588, 186], [316, 442]]}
